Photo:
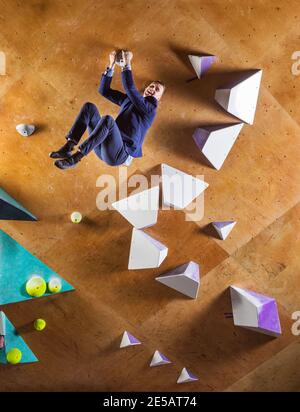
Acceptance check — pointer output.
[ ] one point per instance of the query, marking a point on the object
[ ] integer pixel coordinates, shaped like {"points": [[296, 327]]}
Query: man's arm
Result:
{"points": [[105, 90], [115, 96], [131, 91], [133, 94]]}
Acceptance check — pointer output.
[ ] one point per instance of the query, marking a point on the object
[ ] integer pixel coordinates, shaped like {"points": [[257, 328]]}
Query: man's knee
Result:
{"points": [[90, 107], [109, 120]]}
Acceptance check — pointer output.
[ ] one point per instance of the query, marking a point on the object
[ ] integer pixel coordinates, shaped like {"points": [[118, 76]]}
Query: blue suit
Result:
{"points": [[136, 115], [114, 140]]}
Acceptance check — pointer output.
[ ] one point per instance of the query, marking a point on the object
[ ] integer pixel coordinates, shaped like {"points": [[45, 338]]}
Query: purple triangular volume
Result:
{"points": [[220, 225], [200, 137], [164, 357], [268, 317], [206, 62], [132, 339], [263, 299], [191, 375]]}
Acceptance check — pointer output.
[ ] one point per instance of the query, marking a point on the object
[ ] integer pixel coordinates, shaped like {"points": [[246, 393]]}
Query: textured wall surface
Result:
{"points": [[55, 52]]}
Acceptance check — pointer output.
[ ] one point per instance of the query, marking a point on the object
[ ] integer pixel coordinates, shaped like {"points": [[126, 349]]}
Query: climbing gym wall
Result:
{"points": [[128, 298]]}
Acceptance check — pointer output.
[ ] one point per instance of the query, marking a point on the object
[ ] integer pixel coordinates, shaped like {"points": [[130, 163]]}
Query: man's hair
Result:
{"points": [[156, 81], [159, 82]]}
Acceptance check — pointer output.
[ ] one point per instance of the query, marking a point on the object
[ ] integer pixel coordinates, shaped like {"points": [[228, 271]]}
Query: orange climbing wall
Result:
{"points": [[55, 52]]}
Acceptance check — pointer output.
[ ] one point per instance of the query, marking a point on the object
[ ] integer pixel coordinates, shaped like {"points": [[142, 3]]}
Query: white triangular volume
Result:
{"points": [[224, 228], [140, 209], [201, 63], [185, 279], [196, 63], [215, 143], [180, 188], [244, 310], [186, 376], [145, 251], [128, 340], [25, 129], [159, 359], [241, 99]]}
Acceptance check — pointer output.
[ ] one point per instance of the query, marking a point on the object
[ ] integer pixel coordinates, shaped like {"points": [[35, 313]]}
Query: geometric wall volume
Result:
{"points": [[186, 376], [129, 340], [201, 63], [145, 251], [17, 266], [13, 340], [254, 311], [159, 359], [215, 142], [140, 209], [223, 228], [185, 279], [240, 99], [10, 209], [179, 188]]}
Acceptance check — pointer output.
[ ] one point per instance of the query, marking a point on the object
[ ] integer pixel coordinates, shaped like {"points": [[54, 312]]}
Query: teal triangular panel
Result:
{"points": [[14, 340], [17, 266], [10, 209]]}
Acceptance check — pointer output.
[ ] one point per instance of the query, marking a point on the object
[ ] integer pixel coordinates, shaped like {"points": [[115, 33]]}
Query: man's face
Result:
{"points": [[154, 89]]}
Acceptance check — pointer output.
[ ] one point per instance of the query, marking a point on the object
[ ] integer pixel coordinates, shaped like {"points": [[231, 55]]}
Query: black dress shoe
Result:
{"points": [[63, 152], [69, 162]]}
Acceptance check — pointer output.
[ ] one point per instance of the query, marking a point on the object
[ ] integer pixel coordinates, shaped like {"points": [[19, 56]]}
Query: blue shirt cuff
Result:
{"points": [[126, 67], [109, 72]]}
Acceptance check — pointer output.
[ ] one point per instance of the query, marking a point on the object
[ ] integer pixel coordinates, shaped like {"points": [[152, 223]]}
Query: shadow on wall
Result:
{"points": [[202, 90], [177, 138], [210, 231]]}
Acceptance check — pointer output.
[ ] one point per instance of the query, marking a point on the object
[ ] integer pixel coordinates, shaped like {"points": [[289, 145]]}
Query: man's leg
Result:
{"points": [[107, 142], [88, 117], [112, 150]]}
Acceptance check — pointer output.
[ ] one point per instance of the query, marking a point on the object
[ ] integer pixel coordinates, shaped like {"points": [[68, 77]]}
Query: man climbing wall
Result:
{"points": [[117, 141]]}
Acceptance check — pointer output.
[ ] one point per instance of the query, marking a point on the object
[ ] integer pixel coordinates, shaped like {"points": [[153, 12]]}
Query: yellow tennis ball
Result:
{"points": [[14, 356], [76, 217], [36, 286], [54, 285], [39, 324]]}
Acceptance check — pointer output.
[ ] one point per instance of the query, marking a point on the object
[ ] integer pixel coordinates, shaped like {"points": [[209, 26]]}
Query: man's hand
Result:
{"points": [[112, 59], [127, 56]]}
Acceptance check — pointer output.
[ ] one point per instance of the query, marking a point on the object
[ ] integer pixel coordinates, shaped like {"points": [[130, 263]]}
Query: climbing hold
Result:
{"points": [[54, 285], [39, 324], [76, 217], [14, 356], [36, 286], [25, 129], [128, 340]]}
